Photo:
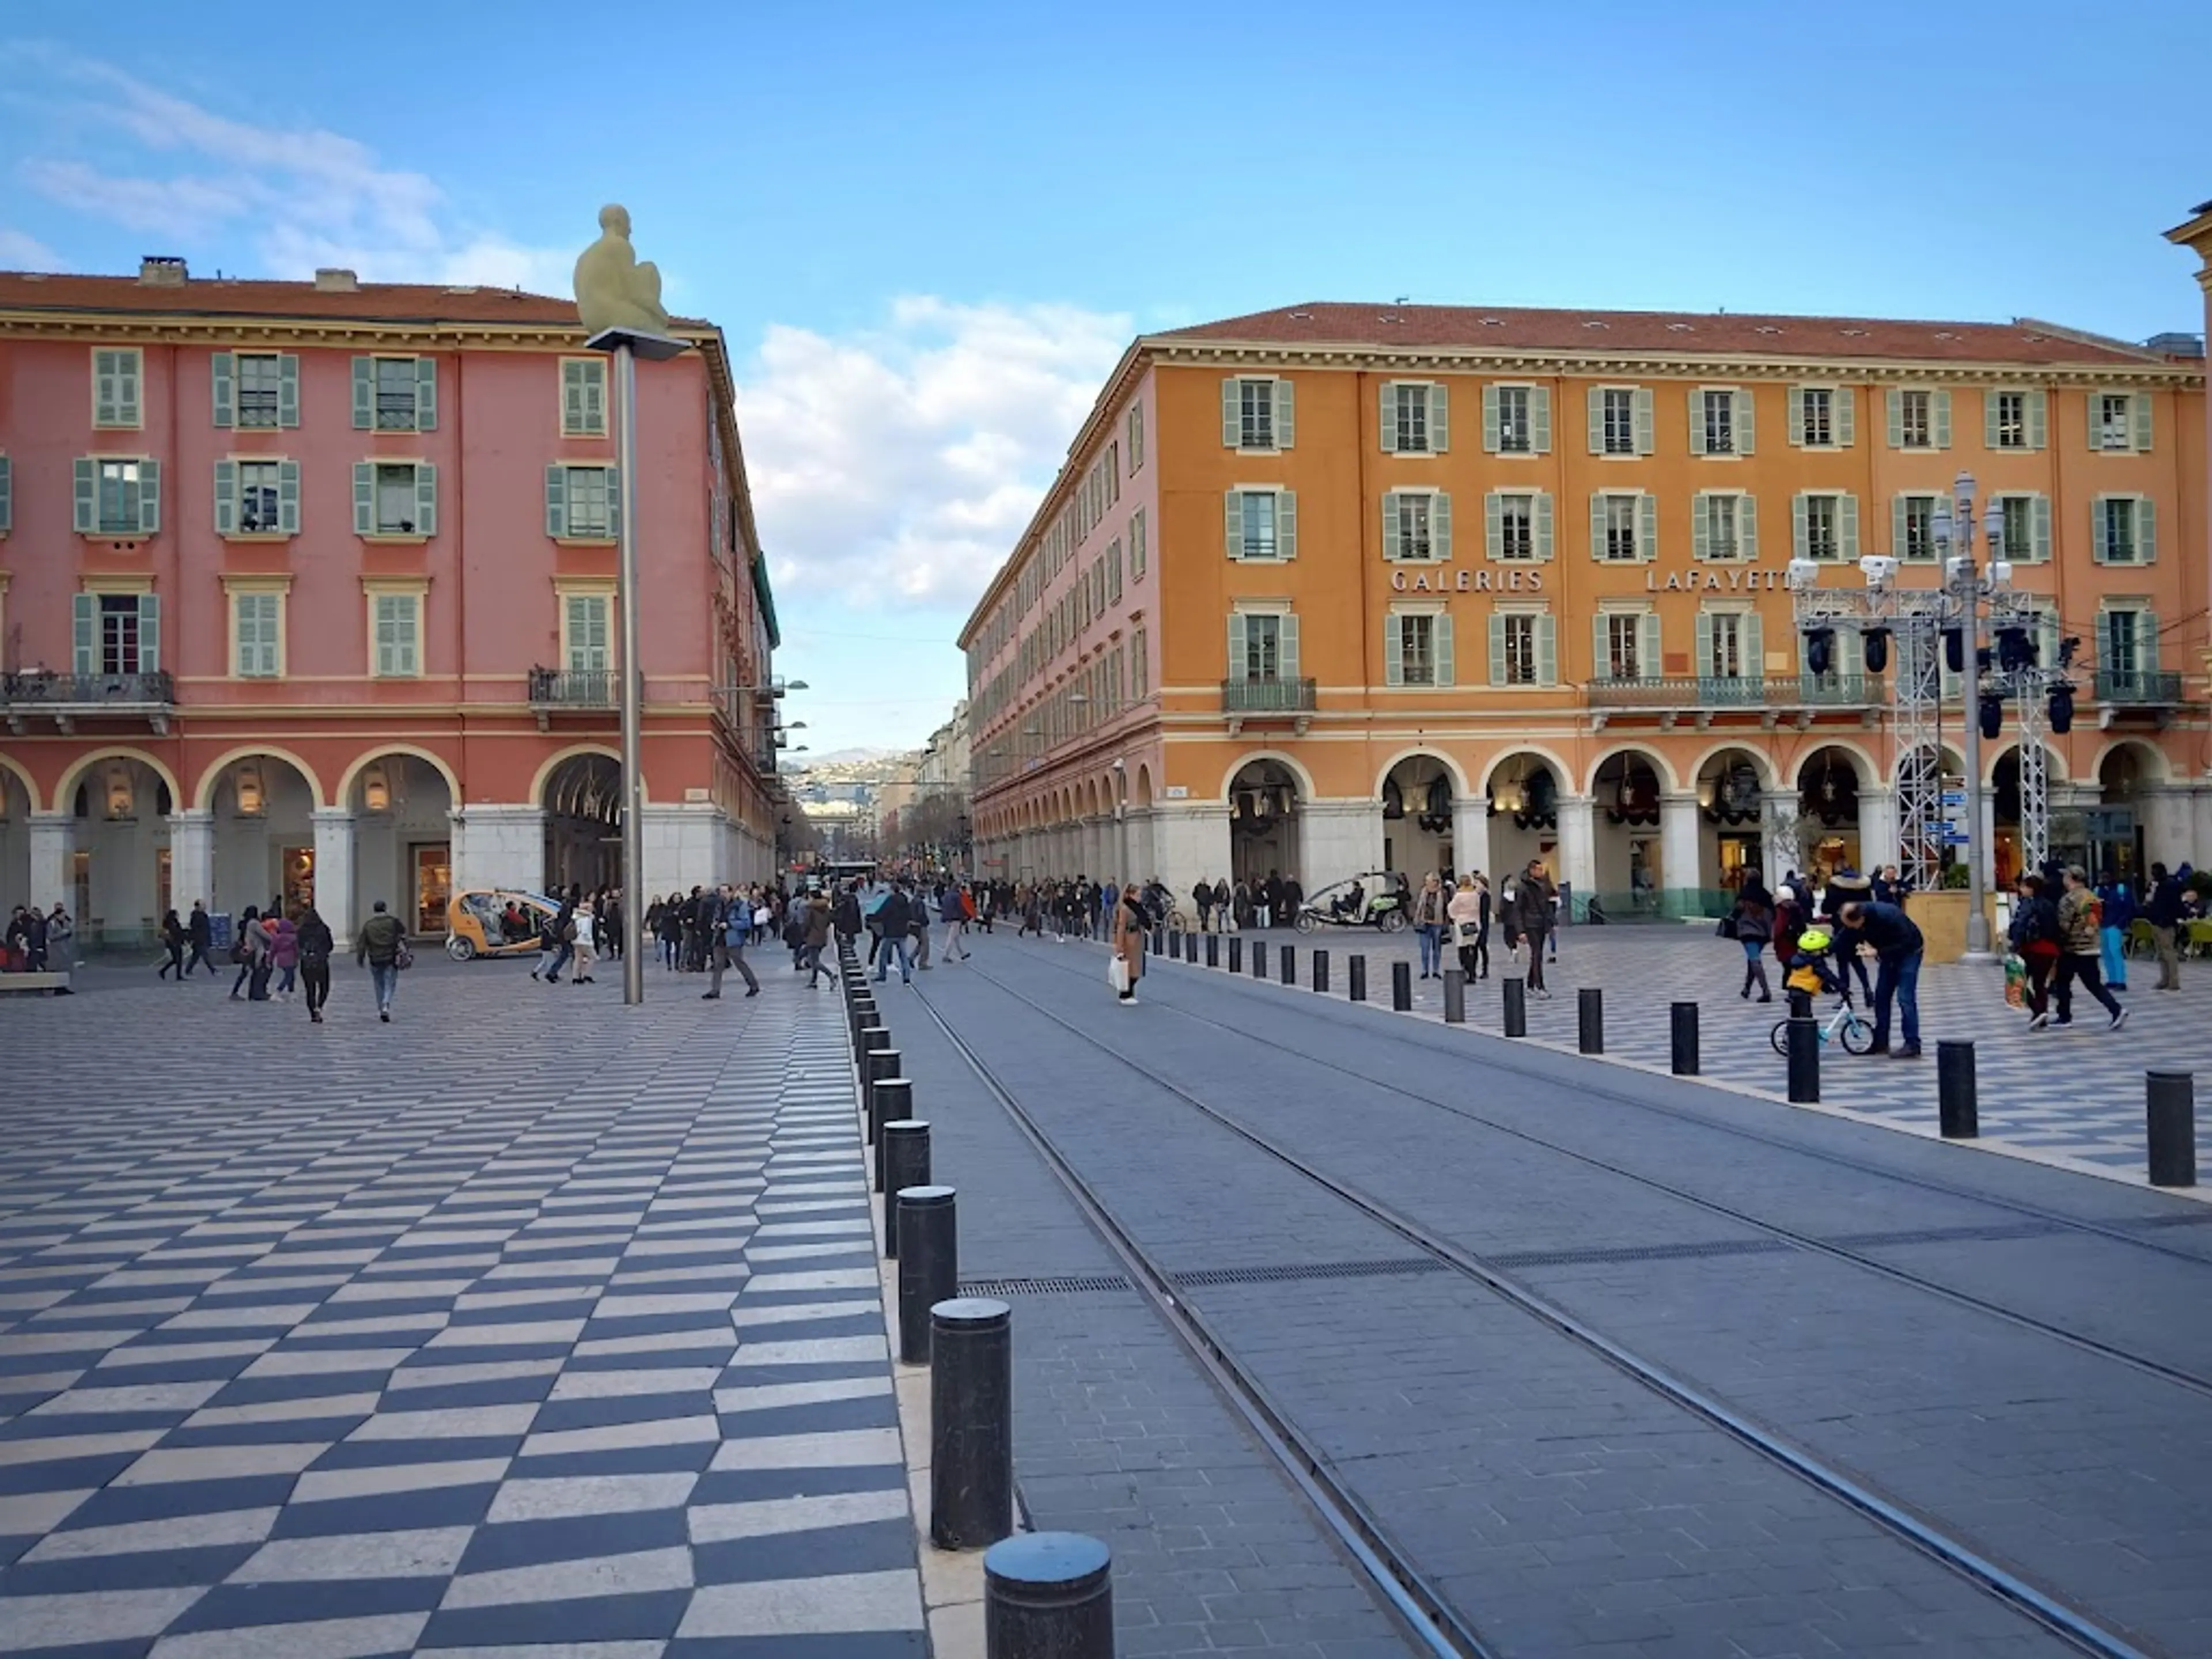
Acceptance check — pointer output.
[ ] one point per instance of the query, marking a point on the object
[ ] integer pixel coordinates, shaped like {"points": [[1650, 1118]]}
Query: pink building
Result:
{"points": [[308, 589]]}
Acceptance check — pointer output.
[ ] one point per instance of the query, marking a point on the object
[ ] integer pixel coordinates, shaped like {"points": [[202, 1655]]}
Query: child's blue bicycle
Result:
{"points": [[1844, 1026]]}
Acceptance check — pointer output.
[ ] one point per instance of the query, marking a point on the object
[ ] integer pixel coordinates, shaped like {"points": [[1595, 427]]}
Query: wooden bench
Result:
{"points": [[58, 984]]}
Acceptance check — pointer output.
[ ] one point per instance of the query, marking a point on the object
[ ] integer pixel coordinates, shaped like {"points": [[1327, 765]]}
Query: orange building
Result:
{"points": [[1338, 588]]}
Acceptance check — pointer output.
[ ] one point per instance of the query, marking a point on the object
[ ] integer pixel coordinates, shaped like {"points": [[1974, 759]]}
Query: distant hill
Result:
{"points": [[849, 757]]}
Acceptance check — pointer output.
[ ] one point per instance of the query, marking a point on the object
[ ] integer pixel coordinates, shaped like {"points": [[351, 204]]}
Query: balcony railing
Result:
{"points": [[2139, 688], [88, 693], [1292, 696], [574, 688], [1686, 692]]}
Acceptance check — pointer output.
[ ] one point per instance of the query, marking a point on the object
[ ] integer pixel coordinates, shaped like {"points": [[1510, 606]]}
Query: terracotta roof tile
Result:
{"points": [[372, 302], [1685, 333]]}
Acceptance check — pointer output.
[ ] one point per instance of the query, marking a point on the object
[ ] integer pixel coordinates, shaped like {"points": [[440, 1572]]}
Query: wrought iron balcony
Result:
{"points": [[1290, 696], [574, 688], [2139, 688], [1695, 693], [65, 698]]}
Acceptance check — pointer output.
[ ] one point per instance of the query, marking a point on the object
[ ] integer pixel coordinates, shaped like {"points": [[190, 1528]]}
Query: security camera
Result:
{"points": [[1955, 568], [1878, 569], [1802, 573], [2001, 573]]}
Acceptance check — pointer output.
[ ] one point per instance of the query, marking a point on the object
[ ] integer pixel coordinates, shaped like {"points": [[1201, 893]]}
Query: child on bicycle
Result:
{"points": [[1808, 972]]}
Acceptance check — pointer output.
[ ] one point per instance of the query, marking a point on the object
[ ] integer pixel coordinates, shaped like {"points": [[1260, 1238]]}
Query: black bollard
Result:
{"points": [[1214, 950], [889, 1099], [2170, 1101], [1048, 1596], [1259, 958], [1590, 1011], [878, 1065], [1958, 1107], [1516, 1006], [905, 1152], [1176, 937], [1190, 949], [1454, 997], [1321, 972], [1804, 1061], [929, 1263], [1683, 1016], [971, 1396], [1159, 946], [1290, 974], [1401, 987], [1355, 977], [1236, 954]]}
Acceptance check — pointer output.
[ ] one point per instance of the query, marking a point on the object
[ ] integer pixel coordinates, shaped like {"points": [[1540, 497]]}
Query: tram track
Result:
{"points": [[1372, 1545]]}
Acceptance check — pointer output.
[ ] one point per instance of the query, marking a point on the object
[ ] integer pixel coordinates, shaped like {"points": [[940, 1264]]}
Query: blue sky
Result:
{"points": [[928, 231]]}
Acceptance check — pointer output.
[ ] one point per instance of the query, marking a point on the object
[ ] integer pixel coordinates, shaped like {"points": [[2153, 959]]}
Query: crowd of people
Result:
{"points": [[39, 942]]}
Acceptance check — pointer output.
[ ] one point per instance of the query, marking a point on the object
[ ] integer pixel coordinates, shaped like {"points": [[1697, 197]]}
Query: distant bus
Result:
{"points": [[832, 870]]}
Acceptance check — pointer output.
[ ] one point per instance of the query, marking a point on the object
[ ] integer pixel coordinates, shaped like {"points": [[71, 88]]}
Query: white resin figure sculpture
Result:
{"points": [[613, 288]]}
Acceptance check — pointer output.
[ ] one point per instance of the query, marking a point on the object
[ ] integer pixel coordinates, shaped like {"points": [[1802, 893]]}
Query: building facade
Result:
{"points": [[308, 590], [1338, 588]]}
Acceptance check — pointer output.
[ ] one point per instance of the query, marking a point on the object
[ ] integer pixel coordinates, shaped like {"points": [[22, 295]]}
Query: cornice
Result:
{"points": [[1660, 365], [159, 329]]}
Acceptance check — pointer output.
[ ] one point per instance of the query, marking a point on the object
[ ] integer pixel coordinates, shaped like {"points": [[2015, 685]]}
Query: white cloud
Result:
{"points": [[299, 196], [21, 252], [901, 463]]}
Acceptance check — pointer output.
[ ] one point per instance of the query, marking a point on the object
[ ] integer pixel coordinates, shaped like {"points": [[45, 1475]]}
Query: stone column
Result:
{"points": [[334, 872], [192, 858], [1191, 839], [1681, 875], [499, 847], [1339, 839], [1878, 832], [678, 851], [1471, 834], [52, 841], [1577, 844]]}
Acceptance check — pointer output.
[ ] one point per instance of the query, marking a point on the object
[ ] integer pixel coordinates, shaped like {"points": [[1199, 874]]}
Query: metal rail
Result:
{"points": [[2061, 1620]]}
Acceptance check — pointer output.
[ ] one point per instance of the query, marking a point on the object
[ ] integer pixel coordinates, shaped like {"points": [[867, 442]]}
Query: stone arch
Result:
{"points": [[370, 757], [1871, 774], [1289, 762], [1662, 768], [1456, 772], [1560, 770], [203, 797], [65, 790], [2054, 763], [1140, 794], [553, 763], [2151, 762], [1770, 777], [21, 774]]}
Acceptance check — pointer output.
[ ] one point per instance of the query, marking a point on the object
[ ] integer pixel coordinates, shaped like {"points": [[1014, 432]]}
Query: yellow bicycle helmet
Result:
{"points": [[1814, 938]]}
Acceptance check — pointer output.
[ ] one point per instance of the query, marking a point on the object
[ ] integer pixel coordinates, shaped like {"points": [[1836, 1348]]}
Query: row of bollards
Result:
{"points": [[2169, 1096], [1047, 1596]]}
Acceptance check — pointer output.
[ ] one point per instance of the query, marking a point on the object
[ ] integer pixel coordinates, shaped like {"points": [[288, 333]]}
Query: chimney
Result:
{"points": [[161, 270], [335, 279]]}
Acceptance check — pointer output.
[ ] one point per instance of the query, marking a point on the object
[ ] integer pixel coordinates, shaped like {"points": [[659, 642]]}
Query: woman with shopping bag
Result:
{"points": [[1126, 965]]}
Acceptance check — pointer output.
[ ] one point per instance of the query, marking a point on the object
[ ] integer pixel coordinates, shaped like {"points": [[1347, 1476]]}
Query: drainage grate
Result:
{"points": [[1994, 1233], [1411, 1264], [1596, 1256], [1072, 1286]]}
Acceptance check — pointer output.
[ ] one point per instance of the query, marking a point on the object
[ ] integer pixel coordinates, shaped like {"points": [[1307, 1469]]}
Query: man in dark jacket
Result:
{"points": [[200, 930], [1533, 907], [2162, 910], [381, 936], [893, 919], [1898, 948]]}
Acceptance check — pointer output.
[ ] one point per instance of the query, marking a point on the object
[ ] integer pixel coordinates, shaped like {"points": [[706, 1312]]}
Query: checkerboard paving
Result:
{"points": [[528, 1324]]}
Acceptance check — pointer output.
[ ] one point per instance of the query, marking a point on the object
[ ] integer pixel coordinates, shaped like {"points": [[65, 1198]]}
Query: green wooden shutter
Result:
{"points": [[84, 632], [364, 393], [1539, 419], [1389, 417], [1547, 650], [149, 634], [1704, 644], [1597, 525], [1893, 400], [1847, 527], [223, 382], [287, 498], [1844, 416], [2039, 516], [1939, 416], [1393, 543], [1601, 647], [1287, 655], [2093, 402], [1497, 648], [1595, 400], [2139, 421], [1490, 419], [556, 501], [1138, 550], [149, 498], [7, 495], [1447, 662], [105, 396], [426, 394], [364, 499], [1439, 418], [1755, 646], [1440, 528], [1232, 523], [1647, 527], [87, 495], [1646, 440], [1287, 420], [1233, 413], [1899, 509], [288, 389], [1796, 416], [2147, 651], [1237, 646], [2038, 420], [1747, 422], [1747, 527], [575, 395], [1493, 526], [1650, 661], [1701, 529], [226, 498], [2100, 546], [1697, 421], [1542, 503], [1287, 524], [1799, 537], [128, 364], [426, 499], [1992, 426], [2146, 530], [614, 501], [1394, 650]]}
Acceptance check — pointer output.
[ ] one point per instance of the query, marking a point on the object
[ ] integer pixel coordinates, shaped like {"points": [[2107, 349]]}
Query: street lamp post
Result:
{"points": [[1955, 522]]}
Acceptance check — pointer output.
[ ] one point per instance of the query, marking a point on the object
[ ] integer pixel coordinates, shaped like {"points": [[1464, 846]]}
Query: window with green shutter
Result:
{"points": [[1723, 526], [583, 396], [1257, 412], [2015, 419], [1136, 439], [583, 503], [116, 374], [118, 496], [397, 623], [7, 495], [1619, 420], [2120, 422], [589, 632], [395, 498], [256, 622], [1114, 573], [1138, 552]]}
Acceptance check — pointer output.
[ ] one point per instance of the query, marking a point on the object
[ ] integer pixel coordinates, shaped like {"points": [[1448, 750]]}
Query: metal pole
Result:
{"points": [[1958, 1106], [633, 679], [1970, 595]]}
